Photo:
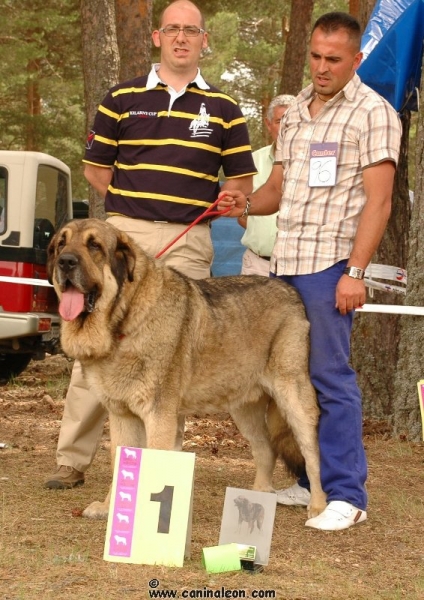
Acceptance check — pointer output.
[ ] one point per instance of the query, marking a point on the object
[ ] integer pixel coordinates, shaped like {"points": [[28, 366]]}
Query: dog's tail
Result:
{"points": [[283, 441]]}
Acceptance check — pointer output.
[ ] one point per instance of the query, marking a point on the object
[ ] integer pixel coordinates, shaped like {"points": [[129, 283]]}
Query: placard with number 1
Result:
{"points": [[150, 511]]}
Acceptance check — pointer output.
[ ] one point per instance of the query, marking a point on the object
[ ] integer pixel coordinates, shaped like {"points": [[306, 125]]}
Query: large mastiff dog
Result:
{"points": [[154, 343]]}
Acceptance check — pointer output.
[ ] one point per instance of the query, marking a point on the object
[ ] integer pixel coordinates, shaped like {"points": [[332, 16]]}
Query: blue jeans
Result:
{"points": [[343, 460]]}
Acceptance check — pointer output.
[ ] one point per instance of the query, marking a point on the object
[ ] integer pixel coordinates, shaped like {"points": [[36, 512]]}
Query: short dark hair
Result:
{"points": [[332, 21]]}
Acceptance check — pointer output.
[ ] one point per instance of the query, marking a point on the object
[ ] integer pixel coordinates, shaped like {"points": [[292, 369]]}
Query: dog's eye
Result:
{"points": [[94, 245]]}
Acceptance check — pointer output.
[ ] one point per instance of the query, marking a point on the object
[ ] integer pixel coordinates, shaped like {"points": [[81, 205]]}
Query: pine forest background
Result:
{"points": [[42, 104]]}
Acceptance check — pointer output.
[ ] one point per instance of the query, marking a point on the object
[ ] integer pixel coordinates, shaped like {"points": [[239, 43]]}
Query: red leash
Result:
{"points": [[209, 212]]}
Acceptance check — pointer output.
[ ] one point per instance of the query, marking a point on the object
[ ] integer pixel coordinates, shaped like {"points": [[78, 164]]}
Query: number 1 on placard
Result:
{"points": [[165, 498], [139, 531]]}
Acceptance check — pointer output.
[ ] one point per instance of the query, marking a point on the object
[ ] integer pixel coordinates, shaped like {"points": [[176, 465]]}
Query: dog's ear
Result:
{"points": [[125, 254], [51, 253]]}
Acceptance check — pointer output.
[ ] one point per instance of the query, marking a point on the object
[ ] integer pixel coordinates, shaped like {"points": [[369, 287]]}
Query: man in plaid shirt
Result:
{"points": [[332, 180]]}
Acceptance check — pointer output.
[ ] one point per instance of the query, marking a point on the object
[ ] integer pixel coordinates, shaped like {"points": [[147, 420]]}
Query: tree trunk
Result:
{"points": [[33, 105], [133, 26], [375, 338], [407, 420], [354, 8], [365, 9], [100, 66], [296, 47]]}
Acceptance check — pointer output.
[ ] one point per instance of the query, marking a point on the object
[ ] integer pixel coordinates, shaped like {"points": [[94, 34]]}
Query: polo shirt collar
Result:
{"points": [[153, 79]]}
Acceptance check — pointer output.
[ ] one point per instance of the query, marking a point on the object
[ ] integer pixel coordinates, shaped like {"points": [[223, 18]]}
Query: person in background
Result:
{"points": [[332, 180], [260, 234], [154, 153]]}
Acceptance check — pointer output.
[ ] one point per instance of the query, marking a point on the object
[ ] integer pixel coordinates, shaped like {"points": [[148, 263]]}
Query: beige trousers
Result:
{"points": [[84, 416], [252, 264]]}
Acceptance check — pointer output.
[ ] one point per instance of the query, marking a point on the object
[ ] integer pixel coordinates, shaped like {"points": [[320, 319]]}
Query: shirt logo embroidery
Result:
{"points": [[199, 126], [142, 114], [90, 140]]}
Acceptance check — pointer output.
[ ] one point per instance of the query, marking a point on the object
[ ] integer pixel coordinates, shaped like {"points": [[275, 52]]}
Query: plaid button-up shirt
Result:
{"points": [[317, 225]]}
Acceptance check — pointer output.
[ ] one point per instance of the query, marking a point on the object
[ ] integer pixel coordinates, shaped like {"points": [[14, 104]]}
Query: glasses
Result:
{"points": [[189, 30]]}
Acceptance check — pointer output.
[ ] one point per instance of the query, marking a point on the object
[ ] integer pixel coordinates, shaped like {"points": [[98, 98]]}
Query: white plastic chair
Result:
{"points": [[380, 277], [385, 273]]}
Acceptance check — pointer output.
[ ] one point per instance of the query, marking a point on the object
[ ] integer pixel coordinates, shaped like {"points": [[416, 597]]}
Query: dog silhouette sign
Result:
{"points": [[248, 518]]}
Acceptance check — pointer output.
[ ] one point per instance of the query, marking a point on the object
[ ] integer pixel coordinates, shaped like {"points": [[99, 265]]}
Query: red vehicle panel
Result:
{"points": [[26, 298], [35, 201]]}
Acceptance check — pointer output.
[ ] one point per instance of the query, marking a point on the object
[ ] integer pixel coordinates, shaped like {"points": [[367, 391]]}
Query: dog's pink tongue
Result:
{"points": [[71, 304]]}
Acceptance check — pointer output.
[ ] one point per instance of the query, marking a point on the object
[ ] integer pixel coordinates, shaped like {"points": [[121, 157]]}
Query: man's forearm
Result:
{"points": [[98, 177], [378, 184], [369, 234], [265, 201]]}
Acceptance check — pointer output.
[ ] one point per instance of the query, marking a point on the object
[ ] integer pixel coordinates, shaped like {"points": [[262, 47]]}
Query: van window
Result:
{"points": [[51, 202], [3, 198], [51, 195]]}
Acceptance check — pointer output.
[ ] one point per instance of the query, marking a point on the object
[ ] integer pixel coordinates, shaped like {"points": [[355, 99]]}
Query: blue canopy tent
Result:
{"points": [[228, 249], [392, 45]]}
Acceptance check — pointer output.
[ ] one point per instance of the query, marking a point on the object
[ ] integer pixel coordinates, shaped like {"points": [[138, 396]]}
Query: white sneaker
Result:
{"points": [[338, 515], [294, 496]]}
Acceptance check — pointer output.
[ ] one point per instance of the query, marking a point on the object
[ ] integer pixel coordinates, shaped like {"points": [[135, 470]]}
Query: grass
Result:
{"points": [[47, 552]]}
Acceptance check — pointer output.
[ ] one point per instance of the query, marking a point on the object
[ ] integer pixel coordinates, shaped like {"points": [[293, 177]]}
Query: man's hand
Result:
{"points": [[233, 199], [350, 294]]}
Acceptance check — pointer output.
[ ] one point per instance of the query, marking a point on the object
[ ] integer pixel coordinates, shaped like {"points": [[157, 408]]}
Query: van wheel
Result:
{"points": [[11, 365]]}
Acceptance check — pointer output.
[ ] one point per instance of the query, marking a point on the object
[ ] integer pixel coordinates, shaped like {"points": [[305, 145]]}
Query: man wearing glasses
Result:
{"points": [[154, 153]]}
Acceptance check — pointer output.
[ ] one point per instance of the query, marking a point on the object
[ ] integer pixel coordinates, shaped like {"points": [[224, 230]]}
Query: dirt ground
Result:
{"points": [[47, 551]]}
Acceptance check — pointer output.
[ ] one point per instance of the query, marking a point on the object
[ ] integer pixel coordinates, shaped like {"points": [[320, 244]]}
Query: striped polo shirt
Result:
{"points": [[317, 225], [167, 148]]}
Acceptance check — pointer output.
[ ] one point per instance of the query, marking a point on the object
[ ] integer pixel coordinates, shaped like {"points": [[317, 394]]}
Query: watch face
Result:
{"points": [[355, 272]]}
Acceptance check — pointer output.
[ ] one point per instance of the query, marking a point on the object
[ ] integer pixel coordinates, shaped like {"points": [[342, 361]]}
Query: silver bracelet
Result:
{"points": [[245, 213]]}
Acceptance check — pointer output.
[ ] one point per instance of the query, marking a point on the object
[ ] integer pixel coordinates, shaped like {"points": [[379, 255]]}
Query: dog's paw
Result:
{"points": [[314, 510], [317, 503], [263, 487], [96, 510], [311, 511]]}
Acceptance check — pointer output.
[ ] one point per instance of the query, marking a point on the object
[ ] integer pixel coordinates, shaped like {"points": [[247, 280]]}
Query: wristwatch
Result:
{"points": [[355, 272]]}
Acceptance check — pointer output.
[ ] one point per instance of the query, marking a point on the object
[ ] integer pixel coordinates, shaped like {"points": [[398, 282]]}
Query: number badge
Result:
{"points": [[323, 164]]}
